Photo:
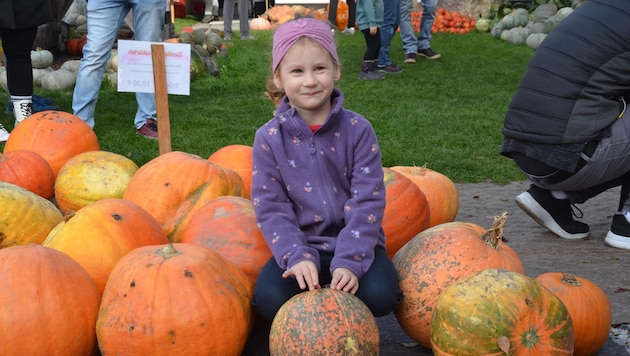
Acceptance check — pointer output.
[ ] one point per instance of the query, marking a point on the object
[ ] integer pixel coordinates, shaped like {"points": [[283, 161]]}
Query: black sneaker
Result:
{"points": [[390, 68], [554, 214], [619, 234], [410, 58], [428, 53]]}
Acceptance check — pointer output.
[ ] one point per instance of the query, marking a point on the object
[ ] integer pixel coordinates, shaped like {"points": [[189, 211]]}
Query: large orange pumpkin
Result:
{"points": [[28, 170], [588, 306], [98, 235], [227, 225], [438, 257], [441, 192], [25, 217], [237, 158], [324, 322], [175, 299], [499, 312], [56, 135], [48, 303], [172, 186], [406, 210], [92, 176]]}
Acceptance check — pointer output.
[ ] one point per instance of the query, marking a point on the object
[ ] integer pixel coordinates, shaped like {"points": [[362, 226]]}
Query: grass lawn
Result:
{"points": [[446, 114]]}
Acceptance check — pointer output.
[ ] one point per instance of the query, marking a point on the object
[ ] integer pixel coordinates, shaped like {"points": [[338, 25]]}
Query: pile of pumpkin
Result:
{"points": [[206, 47], [449, 22], [166, 256]]}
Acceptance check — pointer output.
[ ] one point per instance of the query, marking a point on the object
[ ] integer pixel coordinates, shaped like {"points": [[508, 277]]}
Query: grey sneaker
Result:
{"points": [[390, 68], [371, 75], [348, 31], [207, 18], [227, 37], [428, 53], [410, 58], [248, 38]]}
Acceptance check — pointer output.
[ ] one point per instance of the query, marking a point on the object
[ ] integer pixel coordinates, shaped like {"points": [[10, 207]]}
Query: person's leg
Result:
{"points": [[208, 12], [243, 18], [104, 19], [352, 13], [228, 16], [147, 22], [407, 34], [368, 64], [332, 12], [379, 288], [17, 46], [429, 8], [391, 16], [271, 291]]}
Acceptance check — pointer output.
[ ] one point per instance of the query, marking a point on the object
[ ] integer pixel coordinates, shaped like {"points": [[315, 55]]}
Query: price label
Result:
{"points": [[135, 67]]}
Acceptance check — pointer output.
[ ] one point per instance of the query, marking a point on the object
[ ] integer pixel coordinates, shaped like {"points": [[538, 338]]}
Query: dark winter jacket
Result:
{"points": [[321, 191], [18, 14], [570, 93]]}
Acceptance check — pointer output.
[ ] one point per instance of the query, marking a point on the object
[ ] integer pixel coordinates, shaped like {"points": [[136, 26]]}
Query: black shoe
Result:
{"points": [[619, 234], [428, 53], [410, 58], [554, 214], [390, 68]]}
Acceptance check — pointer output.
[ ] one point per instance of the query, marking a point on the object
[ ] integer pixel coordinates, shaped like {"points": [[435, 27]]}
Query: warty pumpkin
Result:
{"points": [[28, 170], [48, 303], [499, 312], [55, 135], [325, 322], [439, 256], [174, 185], [588, 306], [175, 299], [101, 233]]}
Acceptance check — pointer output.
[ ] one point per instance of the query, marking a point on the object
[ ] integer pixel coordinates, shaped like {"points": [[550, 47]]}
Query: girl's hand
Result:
{"points": [[344, 280], [305, 273], [373, 30]]}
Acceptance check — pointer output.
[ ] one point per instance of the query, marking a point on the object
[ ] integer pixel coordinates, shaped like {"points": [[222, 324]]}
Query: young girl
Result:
{"points": [[317, 185]]}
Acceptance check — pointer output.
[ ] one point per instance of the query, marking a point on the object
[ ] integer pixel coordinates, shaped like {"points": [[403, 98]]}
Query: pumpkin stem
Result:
{"points": [[568, 278], [168, 251], [494, 235]]}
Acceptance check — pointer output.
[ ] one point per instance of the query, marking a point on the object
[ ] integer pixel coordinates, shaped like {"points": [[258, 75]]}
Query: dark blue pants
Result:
{"points": [[378, 288]]}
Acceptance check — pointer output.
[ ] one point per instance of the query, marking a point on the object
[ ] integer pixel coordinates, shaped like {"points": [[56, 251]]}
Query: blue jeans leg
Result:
{"points": [[391, 19], [429, 7], [407, 34]]}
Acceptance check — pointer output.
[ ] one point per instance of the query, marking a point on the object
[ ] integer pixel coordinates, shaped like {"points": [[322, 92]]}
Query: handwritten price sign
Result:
{"points": [[135, 67]]}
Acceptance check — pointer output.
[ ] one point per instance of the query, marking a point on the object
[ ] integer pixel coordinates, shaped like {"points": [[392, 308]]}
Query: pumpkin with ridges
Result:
{"points": [[237, 158]]}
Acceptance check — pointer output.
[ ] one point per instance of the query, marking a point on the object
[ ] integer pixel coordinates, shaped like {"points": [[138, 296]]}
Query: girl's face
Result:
{"points": [[307, 74]]}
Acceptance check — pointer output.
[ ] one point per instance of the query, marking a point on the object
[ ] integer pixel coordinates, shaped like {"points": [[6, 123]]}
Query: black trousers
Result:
{"points": [[373, 45], [17, 45]]}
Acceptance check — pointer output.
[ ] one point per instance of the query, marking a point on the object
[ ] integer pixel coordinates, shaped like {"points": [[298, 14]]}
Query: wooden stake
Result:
{"points": [[161, 98]]}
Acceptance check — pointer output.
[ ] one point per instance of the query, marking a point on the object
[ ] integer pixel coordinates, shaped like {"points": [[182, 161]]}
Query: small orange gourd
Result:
{"points": [[28, 170]]}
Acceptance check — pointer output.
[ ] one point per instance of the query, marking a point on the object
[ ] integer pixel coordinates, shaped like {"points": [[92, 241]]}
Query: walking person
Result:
{"points": [[369, 20], [228, 17], [391, 21], [429, 8]]}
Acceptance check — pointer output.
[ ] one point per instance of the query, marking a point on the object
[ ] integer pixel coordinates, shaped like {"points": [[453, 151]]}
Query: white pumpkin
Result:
{"points": [[41, 58], [71, 65], [59, 80]]}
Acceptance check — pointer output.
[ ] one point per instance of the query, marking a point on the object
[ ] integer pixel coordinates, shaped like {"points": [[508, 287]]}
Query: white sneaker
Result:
{"points": [[348, 31], [22, 109], [4, 134]]}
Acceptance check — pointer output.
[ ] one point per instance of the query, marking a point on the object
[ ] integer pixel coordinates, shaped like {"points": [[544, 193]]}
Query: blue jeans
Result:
{"points": [[407, 35], [391, 20], [429, 8], [104, 20], [379, 288]]}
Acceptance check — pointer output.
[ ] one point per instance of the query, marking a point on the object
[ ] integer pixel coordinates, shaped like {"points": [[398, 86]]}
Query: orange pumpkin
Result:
{"points": [[237, 158], [25, 217], [92, 176], [324, 322], [499, 312], [341, 19], [440, 191], [55, 135], [438, 257], [406, 210], [588, 306], [98, 235], [174, 185], [28, 170], [175, 299], [48, 303], [74, 46], [227, 225]]}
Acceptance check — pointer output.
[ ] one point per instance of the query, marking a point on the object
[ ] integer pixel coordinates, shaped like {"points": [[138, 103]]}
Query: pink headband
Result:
{"points": [[289, 32]]}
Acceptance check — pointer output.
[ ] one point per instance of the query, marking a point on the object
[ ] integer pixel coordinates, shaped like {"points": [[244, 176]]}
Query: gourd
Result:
{"points": [[406, 210], [48, 303], [324, 322], [57, 80], [440, 191], [41, 58], [438, 257], [534, 40], [588, 306], [237, 158], [55, 135], [101, 233], [25, 217], [517, 18], [74, 46], [494, 312], [259, 23], [174, 185], [227, 225], [175, 299], [341, 19], [28, 170], [536, 27], [91, 176], [517, 35], [544, 11]]}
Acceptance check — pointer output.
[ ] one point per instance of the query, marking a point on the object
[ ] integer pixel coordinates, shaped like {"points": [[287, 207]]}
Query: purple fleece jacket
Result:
{"points": [[321, 191]]}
